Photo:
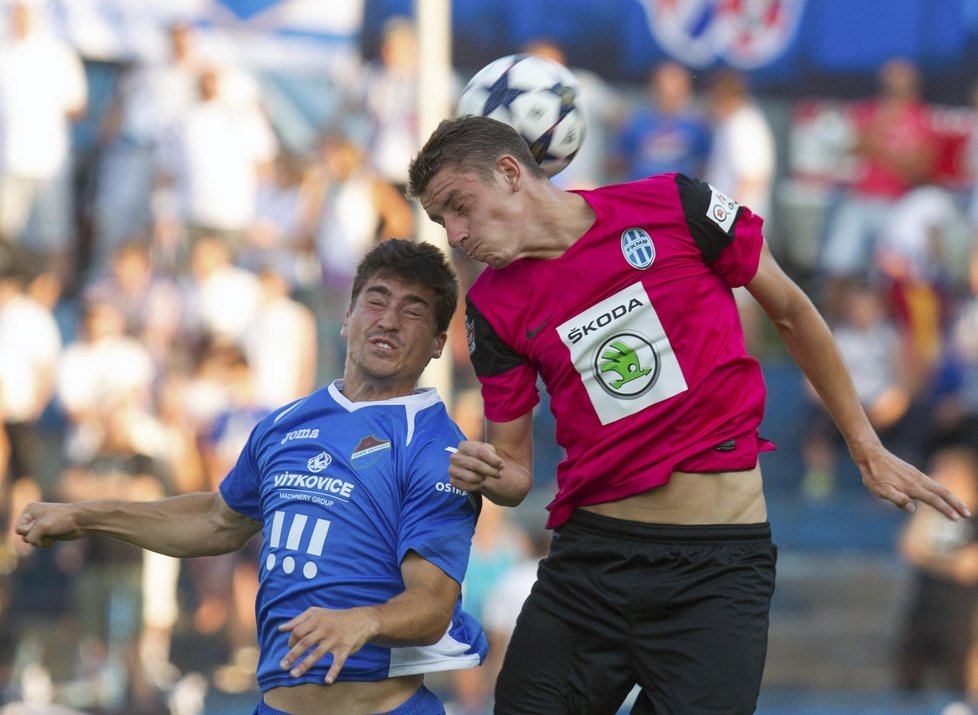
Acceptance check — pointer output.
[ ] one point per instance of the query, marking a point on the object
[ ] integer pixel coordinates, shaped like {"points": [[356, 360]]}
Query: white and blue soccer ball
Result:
{"points": [[536, 96]]}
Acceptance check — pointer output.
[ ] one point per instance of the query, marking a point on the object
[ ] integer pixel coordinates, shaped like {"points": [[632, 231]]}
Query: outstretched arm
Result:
{"points": [[502, 467], [812, 346], [188, 525], [419, 615]]}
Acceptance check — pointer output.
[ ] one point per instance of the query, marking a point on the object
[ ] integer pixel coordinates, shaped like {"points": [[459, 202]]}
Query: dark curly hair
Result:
{"points": [[413, 262]]}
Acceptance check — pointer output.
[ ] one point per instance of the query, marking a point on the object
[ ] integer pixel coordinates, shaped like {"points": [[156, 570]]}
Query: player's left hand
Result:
{"points": [[318, 631], [889, 477]]}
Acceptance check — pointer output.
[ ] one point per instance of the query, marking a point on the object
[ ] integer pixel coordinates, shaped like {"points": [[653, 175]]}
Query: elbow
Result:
{"points": [[437, 630]]}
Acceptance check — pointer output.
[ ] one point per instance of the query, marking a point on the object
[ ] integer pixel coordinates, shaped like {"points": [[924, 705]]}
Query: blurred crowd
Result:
{"points": [[162, 293]]}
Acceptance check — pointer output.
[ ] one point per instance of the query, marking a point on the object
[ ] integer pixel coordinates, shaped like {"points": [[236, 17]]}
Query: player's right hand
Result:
{"points": [[472, 464]]}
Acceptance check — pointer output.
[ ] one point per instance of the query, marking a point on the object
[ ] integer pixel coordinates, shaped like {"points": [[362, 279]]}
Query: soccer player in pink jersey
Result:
{"points": [[620, 298]]}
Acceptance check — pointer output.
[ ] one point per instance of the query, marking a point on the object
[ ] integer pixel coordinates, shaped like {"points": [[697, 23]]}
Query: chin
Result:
{"points": [[496, 261]]}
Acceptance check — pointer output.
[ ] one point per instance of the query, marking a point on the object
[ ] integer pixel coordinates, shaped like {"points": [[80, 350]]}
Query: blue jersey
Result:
{"points": [[344, 490]]}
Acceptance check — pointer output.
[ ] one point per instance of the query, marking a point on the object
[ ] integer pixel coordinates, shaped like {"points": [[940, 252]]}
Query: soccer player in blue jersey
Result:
{"points": [[365, 540]]}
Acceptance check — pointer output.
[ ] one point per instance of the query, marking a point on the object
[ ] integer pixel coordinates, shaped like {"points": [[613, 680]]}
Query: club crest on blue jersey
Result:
{"points": [[319, 462], [368, 452], [637, 247]]}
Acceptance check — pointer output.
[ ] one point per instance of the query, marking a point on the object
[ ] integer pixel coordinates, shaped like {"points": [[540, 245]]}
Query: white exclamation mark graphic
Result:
{"points": [[278, 518], [316, 547], [292, 542]]}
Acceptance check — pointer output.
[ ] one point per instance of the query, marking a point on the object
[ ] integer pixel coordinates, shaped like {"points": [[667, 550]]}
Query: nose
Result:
{"points": [[456, 233], [390, 318]]}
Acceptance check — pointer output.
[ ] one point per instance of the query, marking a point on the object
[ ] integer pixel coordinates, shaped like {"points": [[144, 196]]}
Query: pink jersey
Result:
{"points": [[636, 335]]}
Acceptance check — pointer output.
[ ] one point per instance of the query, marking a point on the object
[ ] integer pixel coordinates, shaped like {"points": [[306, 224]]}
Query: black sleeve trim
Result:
{"points": [[490, 355], [696, 197]]}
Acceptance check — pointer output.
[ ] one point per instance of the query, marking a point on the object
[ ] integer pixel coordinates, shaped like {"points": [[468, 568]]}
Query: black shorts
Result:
{"points": [[682, 611]]}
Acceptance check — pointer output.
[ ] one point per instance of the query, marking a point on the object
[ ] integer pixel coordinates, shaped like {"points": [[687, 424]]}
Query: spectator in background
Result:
{"points": [[213, 158], [150, 99], [921, 243], [42, 91], [939, 640], [280, 376], [30, 347], [355, 208], [103, 371], [281, 234], [390, 97], [149, 300], [896, 150], [877, 358], [221, 298], [741, 164], [741, 161], [667, 134], [602, 109]]}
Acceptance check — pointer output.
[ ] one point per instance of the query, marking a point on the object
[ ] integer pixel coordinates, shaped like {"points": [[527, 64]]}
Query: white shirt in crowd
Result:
{"points": [[30, 346], [742, 158], [41, 82], [214, 158]]}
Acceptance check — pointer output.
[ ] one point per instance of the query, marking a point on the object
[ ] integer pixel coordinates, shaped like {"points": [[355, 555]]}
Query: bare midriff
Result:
{"points": [[348, 697], [694, 498]]}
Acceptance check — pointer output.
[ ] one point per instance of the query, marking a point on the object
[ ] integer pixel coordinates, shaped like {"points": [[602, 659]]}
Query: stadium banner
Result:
{"points": [[745, 34]]}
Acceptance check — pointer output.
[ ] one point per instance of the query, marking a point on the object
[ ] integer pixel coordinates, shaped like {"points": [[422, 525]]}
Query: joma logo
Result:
{"points": [[301, 434]]}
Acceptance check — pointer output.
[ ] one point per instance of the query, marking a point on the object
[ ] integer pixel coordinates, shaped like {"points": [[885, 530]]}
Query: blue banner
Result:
{"points": [[792, 47]]}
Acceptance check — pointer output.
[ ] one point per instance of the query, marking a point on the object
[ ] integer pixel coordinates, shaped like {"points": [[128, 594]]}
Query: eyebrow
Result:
{"points": [[449, 197], [386, 292]]}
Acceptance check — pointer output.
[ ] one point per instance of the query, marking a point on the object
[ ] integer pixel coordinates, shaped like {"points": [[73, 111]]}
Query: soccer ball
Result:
{"points": [[538, 97]]}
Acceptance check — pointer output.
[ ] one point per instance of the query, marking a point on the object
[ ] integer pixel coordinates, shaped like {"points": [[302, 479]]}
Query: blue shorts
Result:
{"points": [[423, 702]]}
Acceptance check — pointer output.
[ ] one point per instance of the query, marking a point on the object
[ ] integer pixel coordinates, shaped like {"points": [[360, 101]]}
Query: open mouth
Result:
{"points": [[383, 344]]}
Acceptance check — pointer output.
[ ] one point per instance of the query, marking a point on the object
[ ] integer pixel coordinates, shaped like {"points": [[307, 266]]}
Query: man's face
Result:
{"points": [[391, 334], [481, 218]]}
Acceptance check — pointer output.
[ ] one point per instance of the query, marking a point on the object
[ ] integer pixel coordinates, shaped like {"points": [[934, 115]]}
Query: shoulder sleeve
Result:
{"points": [[508, 379], [241, 487], [490, 355], [437, 521], [728, 235]]}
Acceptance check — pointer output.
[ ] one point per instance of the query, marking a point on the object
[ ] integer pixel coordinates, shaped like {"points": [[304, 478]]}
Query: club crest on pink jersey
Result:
{"points": [[637, 247]]}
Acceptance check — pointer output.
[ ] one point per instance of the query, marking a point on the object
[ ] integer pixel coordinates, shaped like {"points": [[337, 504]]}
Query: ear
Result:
{"points": [[511, 170], [439, 345], [345, 328]]}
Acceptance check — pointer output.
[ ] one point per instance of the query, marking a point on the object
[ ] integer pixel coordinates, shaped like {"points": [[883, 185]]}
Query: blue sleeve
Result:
{"points": [[437, 520], [241, 486]]}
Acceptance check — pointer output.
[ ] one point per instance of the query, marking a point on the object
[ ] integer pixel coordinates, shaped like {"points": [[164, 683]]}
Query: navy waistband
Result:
{"points": [[588, 522]]}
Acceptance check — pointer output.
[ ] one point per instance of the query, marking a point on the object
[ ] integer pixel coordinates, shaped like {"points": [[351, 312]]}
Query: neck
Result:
{"points": [[356, 389], [562, 217]]}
